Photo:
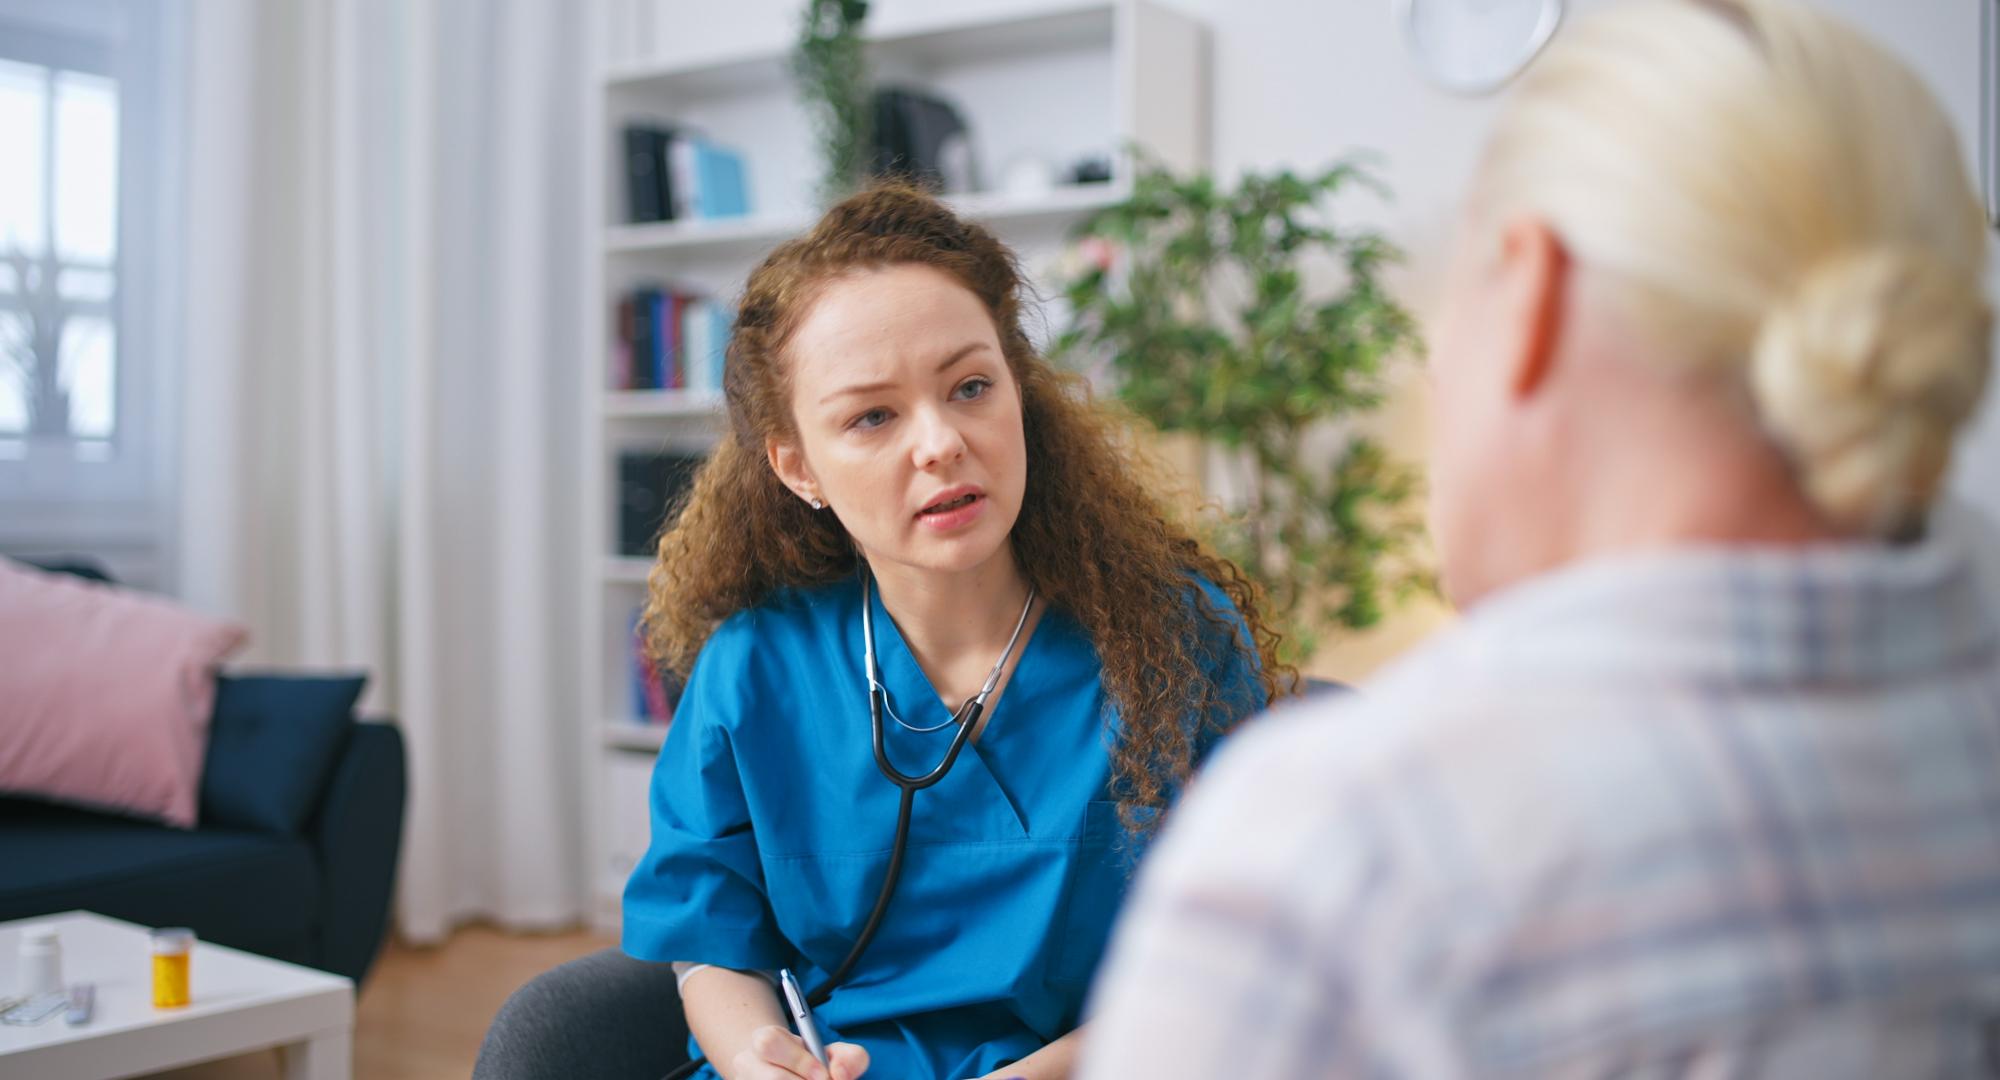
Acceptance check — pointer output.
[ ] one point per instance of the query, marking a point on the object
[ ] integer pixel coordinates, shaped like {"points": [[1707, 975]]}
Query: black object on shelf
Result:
{"points": [[922, 139], [1091, 170], [648, 180], [651, 489]]}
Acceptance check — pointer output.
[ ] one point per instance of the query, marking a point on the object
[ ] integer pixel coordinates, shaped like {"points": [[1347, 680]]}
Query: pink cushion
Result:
{"points": [[105, 694]]}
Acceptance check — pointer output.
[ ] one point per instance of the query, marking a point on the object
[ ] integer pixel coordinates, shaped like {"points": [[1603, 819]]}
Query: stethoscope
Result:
{"points": [[967, 719]]}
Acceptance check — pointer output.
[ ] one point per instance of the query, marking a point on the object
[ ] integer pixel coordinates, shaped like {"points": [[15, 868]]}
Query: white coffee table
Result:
{"points": [[241, 1003]]}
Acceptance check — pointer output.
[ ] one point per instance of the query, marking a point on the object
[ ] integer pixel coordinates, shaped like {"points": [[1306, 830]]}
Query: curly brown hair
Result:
{"points": [[1091, 536]]}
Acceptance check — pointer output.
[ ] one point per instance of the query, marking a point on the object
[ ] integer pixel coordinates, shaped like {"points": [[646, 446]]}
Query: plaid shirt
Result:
{"points": [[1721, 812]]}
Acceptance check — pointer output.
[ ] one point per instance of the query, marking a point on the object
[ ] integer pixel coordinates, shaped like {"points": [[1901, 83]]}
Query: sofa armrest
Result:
{"points": [[357, 833]]}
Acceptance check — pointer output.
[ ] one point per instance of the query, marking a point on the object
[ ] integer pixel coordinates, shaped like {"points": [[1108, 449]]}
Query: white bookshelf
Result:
{"points": [[622, 570], [1053, 81], [758, 233], [626, 735], [662, 404]]}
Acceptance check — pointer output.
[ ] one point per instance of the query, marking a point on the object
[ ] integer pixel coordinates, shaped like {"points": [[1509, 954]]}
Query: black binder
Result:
{"points": [[651, 488], [913, 131], [648, 179]]}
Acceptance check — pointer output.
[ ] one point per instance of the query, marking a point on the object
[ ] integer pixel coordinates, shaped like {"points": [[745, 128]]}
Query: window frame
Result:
{"points": [[52, 501]]}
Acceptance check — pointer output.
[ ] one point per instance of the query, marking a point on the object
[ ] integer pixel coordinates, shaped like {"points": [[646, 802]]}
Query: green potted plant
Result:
{"points": [[1248, 319], [831, 66]]}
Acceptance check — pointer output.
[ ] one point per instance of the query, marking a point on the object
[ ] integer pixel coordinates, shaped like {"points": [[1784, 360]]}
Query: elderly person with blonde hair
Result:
{"points": [[1707, 782]]}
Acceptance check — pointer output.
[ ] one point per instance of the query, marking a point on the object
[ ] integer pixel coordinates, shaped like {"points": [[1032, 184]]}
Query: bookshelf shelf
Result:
{"points": [[1045, 88], [626, 570], [928, 39], [633, 735], [755, 235], [642, 404], [750, 235]]}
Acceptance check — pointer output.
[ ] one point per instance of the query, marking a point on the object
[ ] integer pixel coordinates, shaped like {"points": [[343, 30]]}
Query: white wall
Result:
{"points": [[1300, 82]]}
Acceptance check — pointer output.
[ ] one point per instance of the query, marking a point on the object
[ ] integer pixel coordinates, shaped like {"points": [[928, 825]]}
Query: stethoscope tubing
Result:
{"points": [[967, 716], [967, 719]]}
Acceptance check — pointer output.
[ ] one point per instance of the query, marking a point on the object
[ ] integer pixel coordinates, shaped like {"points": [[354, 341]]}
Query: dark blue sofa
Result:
{"points": [[316, 894]]}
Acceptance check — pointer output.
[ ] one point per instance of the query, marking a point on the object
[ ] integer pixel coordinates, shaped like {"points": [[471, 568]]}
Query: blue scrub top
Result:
{"points": [[772, 830]]}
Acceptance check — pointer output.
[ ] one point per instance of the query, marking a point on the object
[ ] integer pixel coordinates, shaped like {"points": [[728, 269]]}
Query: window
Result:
{"points": [[87, 120], [58, 259]]}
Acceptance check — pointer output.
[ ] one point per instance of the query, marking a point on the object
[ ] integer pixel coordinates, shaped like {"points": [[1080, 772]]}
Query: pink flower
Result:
{"points": [[1098, 252]]}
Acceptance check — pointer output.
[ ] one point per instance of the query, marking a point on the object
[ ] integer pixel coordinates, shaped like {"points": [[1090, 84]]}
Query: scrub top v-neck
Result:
{"points": [[772, 830]]}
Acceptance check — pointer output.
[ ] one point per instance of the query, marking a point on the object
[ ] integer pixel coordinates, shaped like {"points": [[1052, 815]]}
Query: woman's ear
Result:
{"points": [[1535, 273], [789, 462]]}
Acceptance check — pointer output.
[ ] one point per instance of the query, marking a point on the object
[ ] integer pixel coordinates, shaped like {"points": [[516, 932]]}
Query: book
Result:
{"points": [[708, 181], [660, 341], [693, 343], [643, 156], [705, 324], [654, 695], [719, 182], [676, 362], [680, 166], [638, 666], [645, 374], [669, 339], [651, 485], [620, 375], [663, 151]]}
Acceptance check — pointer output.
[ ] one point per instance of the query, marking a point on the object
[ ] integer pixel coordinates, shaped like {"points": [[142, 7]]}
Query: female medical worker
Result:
{"points": [[908, 488]]}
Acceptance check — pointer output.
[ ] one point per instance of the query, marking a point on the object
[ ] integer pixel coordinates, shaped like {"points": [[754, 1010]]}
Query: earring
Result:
{"points": [[816, 504]]}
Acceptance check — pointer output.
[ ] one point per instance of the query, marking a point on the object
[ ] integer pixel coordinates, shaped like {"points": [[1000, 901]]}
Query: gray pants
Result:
{"points": [[604, 1015]]}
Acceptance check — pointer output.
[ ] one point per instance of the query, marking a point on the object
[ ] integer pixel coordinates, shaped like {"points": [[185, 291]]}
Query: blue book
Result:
{"points": [[642, 339], [677, 363], [704, 342], [660, 362], [694, 344], [719, 182], [638, 667]]}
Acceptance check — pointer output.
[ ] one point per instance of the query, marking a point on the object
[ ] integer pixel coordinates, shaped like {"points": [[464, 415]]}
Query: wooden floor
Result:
{"points": [[423, 1011]]}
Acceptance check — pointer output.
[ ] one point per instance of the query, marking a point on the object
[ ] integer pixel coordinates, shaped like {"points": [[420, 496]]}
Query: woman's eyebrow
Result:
{"points": [[956, 355]]}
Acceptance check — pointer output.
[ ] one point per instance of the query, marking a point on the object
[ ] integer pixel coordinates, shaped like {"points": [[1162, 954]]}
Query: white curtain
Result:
{"points": [[380, 402]]}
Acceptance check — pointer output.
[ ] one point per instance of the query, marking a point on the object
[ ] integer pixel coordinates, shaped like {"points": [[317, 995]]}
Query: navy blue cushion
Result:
{"points": [[248, 889], [271, 747], [87, 569]]}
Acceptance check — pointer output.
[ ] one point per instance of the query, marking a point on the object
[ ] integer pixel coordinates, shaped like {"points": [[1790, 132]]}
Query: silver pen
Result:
{"points": [[802, 1017]]}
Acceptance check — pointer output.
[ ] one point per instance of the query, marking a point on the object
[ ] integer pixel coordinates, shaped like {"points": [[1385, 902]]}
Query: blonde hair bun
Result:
{"points": [[1784, 205], [1864, 374]]}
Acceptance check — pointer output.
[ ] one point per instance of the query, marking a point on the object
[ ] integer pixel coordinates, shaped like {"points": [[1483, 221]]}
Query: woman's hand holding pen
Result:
{"points": [[777, 1054]]}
